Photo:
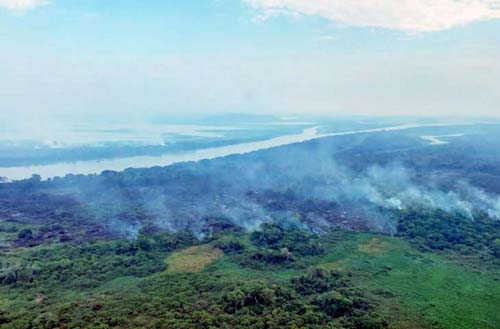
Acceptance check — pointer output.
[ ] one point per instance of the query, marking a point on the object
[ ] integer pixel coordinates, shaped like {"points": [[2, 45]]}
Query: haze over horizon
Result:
{"points": [[250, 164], [67, 59]]}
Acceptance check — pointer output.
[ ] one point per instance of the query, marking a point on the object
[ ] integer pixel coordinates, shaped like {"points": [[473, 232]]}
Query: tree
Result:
{"points": [[334, 303], [25, 234]]}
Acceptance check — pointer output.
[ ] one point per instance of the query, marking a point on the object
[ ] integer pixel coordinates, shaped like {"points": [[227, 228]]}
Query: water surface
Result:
{"points": [[120, 164]]}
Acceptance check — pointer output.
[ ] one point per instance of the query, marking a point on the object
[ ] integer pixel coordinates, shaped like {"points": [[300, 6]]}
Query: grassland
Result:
{"points": [[409, 284]]}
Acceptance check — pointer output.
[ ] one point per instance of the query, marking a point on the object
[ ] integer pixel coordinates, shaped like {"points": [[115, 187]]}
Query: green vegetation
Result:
{"points": [[437, 230], [410, 285], [193, 259], [350, 280], [89, 252]]}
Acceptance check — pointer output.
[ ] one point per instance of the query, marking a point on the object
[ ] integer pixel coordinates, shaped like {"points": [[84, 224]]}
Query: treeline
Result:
{"points": [[435, 229], [317, 299], [89, 265], [273, 245]]}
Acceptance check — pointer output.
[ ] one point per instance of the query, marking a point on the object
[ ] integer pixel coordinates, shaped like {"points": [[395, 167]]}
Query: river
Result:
{"points": [[120, 164]]}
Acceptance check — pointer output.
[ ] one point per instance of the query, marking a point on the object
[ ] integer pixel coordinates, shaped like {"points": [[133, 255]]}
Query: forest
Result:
{"points": [[260, 241]]}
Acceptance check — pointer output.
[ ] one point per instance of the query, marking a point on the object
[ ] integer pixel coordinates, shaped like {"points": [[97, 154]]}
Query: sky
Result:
{"points": [[129, 58]]}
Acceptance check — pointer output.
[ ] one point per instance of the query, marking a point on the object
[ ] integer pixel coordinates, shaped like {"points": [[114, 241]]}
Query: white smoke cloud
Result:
{"points": [[407, 15], [22, 5]]}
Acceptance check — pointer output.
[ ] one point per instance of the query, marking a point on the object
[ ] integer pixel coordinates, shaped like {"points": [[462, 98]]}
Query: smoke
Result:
{"points": [[124, 229], [397, 187], [481, 200], [307, 187], [369, 192], [249, 196]]}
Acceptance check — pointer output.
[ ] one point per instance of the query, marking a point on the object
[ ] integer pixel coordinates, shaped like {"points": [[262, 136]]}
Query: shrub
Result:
{"points": [[25, 234]]}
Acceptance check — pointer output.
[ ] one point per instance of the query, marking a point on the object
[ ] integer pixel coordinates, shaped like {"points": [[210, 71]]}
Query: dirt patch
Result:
{"points": [[375, 246], [193, 259]]}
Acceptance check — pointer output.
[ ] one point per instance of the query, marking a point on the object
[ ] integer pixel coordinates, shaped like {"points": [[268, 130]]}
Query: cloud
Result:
{"points": [[414, 16], [22, 5], [326, 38]]}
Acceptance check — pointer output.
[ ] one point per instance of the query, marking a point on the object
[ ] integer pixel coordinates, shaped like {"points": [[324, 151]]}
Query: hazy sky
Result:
{"points": [[132, 57]]}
